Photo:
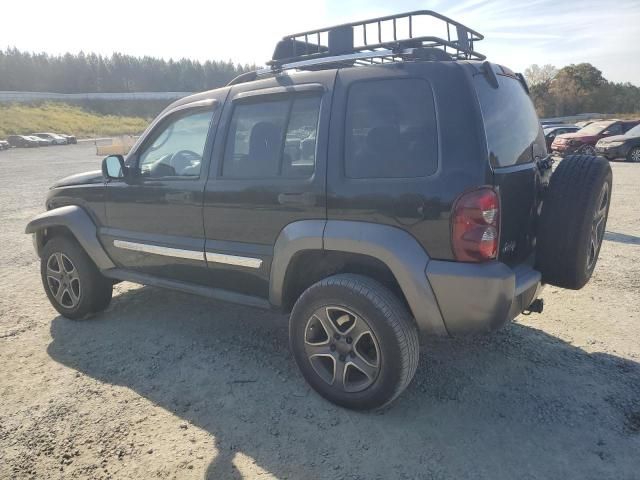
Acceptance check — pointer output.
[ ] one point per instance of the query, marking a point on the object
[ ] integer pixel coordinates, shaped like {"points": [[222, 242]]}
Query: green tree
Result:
{"points": [[85, 73]]}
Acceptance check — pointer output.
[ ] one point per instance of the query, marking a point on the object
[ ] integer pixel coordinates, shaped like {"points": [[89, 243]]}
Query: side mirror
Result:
{"points": [[113, 167]]}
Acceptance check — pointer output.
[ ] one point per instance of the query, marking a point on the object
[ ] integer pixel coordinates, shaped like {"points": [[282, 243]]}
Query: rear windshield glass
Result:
{"points": [[510, 121]]}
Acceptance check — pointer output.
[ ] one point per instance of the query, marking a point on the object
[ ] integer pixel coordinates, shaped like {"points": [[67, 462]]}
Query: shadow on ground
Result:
{"points": [[622, 238], [516, 404]]}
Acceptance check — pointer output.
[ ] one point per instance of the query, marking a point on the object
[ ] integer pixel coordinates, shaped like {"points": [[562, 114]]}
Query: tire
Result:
{"points": [[573, 220], [588, 150], [634, 155], [369, 329], [87, 291]]}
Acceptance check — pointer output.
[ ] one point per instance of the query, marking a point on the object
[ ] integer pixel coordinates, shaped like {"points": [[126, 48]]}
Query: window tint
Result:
{"points": [[510, 121], [178, 148], [390, 130], [615, 129], [273, 138]]}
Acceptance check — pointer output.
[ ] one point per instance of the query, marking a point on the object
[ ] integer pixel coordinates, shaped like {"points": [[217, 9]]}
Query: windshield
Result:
{"points": [[594, 128], [634, 132]]}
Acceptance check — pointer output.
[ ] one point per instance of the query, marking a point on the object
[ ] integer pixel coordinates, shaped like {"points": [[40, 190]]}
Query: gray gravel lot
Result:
{"points": [[167, 385]]}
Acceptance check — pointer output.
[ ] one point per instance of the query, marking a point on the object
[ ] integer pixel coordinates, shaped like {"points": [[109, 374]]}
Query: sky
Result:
{"points": [[517, 33]]}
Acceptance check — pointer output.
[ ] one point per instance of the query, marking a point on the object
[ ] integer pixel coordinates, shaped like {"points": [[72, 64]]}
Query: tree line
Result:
{"points": [[577, 89], [92, 73]]}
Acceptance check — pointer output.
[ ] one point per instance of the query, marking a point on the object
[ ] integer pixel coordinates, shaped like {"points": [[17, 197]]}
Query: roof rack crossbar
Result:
{"points": [[353, 57]]}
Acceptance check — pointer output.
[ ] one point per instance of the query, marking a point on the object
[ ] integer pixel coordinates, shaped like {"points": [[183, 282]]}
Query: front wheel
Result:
{"points": [[634, 155], [588, 150], [71, 280], [354, 341]]}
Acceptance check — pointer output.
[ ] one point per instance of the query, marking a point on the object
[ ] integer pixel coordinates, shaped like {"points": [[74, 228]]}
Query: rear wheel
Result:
{"points": [[573, 220], [71, 280], [634, 155], [354, 341]]}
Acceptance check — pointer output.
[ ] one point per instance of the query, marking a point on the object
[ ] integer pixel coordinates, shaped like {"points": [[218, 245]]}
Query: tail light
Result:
{"points": [[475, 226]]}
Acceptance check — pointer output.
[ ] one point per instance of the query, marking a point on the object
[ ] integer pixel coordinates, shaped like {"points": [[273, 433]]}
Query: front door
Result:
{"points": [[154, 218]]}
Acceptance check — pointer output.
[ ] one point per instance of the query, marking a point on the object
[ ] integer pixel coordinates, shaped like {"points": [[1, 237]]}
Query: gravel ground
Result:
{"points": [[167, 385]]}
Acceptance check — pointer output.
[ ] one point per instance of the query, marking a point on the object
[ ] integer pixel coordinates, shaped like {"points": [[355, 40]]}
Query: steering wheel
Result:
{"points": [[183, 159]]}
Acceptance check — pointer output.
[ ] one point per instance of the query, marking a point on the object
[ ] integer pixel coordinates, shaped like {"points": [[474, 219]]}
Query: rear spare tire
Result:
{"points": [[573, 220]]}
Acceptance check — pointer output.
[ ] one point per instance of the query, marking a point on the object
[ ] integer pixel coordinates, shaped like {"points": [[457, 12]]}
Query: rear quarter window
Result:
{"points": [[390, 129], [510, 121]]}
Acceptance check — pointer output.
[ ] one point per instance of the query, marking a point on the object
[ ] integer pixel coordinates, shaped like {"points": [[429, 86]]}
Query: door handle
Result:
{"points": [[306, 199]]}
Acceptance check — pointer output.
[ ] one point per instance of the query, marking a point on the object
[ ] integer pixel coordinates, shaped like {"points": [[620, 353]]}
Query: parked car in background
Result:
{"points": [[22, 141], [551, 132], [54, 137], [70, 138], [585, 139], [625, 146], [584, 123], [4, 145], [42, 142]]}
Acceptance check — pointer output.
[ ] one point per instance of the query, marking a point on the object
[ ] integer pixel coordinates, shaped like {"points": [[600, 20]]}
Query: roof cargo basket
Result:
{"points": [[393, 32], [418, 35]]}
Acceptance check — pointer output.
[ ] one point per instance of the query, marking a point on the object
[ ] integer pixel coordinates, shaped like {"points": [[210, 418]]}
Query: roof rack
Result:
{"points": [[374, 41]]}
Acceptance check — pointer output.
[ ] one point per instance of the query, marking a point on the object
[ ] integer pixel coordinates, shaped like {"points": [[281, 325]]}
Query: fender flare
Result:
{"points": [[294, 238], [80, 224], [396, 248]]}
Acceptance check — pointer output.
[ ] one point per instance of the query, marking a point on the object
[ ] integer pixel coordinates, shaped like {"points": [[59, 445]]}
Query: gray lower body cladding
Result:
{"points": [[445, 297], [79, 223], [480, 297]]}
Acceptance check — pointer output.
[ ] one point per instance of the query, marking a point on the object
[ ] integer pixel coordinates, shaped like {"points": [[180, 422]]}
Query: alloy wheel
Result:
{"points": [[635, 155], [342, 349], [63, 280], [598, 226]]}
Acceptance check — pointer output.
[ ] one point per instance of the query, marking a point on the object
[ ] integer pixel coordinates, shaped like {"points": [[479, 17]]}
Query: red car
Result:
{"points": [[585, 139]]}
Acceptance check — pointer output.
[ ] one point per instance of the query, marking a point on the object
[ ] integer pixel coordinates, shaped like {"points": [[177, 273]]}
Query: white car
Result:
{"points": [[54, 137], [42, 142]]}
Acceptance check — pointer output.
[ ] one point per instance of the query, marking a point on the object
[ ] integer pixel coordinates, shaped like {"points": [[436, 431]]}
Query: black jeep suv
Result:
{"points": [[379, 193]]}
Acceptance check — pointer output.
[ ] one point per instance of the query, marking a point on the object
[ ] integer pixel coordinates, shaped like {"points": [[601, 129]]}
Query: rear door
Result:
{"points": [[268, 170], [515, 141]]}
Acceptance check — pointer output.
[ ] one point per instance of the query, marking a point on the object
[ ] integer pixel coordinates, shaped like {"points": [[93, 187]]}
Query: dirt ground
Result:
{"points": [[167, 385]]}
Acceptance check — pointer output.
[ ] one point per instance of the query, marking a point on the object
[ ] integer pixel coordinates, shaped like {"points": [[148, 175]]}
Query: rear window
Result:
{"points": [[390, 130], [510, 121]]}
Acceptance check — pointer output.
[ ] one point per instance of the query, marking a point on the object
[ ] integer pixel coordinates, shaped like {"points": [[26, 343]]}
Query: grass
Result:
{"points": [[23, 119]]}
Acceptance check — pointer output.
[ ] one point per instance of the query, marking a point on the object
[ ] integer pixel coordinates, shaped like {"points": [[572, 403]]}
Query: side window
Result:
{"points": [[275, 138], [178, 148], [615, 129], [390, 130]]}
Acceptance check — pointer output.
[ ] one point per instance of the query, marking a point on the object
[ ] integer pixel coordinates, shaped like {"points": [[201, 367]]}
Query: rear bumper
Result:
{"points": [[481, 297]]}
